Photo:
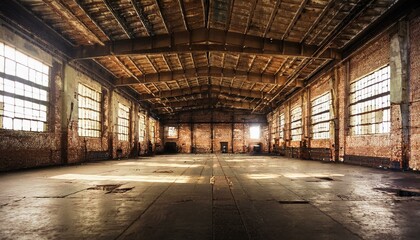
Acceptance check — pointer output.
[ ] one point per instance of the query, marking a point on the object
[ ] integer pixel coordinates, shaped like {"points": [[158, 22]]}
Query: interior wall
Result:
{"points": [[22, 149], [414, 73], [61, 143], [367, 60], [379, 150], [203, 131]]}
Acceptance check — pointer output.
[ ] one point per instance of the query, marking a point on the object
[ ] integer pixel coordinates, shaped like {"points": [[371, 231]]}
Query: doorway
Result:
{"points": [[224, 147]]}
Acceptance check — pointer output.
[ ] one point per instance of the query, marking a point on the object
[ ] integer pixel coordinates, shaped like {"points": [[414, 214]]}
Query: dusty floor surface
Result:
{"points": [[209, 197]]}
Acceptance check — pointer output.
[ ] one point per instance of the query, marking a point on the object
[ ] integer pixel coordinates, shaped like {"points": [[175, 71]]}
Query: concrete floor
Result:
{"points": [[176, 197]]}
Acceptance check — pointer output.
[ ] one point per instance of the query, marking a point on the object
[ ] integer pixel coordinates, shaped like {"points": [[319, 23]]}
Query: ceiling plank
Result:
{"points": [[159, 7], [295, 18], [118, 19], [272, 17], [182, 10], [203, 40], [143, 19], [65, 13]]}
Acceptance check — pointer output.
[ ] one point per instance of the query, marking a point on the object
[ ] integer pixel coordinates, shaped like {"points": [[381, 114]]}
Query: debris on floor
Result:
{"points": [[106, 187], [163, 171]]}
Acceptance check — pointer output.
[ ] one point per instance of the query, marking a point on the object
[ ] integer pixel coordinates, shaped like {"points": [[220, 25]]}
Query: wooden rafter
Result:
{"points": [[295, 18], [143, 19], [118, 19], [64, 12], [182, 10], [229, 14], [251, 15], [272, 17], [161, 15], [318, 19]]}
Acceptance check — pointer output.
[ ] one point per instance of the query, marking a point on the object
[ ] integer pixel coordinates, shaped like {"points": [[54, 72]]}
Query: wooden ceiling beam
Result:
{"points": [[203, 40], [177, 75]]}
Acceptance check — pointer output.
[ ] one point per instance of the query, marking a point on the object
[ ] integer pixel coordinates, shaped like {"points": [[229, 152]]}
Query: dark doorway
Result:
{"points": [[224, 147], [170, 147]]}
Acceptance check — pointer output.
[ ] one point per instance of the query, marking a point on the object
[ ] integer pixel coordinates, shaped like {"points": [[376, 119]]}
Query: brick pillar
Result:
{"points": [[400, 111]]}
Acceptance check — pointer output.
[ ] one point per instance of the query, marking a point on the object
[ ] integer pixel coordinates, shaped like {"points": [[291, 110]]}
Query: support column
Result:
{"points": [[233, 130], [400, 102], [192, 135], [211, 133]]}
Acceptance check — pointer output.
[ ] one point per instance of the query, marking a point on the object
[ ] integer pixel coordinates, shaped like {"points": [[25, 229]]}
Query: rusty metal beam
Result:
{"points": [[205, 88], [207, 101], [177, 75], [203, 40]]}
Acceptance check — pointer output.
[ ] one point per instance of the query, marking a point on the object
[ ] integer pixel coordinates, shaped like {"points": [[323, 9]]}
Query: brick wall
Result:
{"points": [[211, 128], [385, 150], [61, 143], [414, 59], [362, 63]]}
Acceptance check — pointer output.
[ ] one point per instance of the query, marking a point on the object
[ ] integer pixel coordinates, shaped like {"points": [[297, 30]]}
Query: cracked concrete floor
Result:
{"points": [[208, 197]]}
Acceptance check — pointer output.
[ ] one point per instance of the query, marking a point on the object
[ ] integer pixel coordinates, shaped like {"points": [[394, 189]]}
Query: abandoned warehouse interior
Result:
{"points": [[329, 80]]}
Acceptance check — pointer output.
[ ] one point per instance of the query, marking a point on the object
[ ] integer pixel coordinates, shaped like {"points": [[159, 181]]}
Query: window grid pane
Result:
{"points": [[296, 123], [172, 132], [123, 122], [89, 112], [320, 117], [281, 126], [23, 96], [142, 127], [254, 132], [370, 103], [152, 129]]}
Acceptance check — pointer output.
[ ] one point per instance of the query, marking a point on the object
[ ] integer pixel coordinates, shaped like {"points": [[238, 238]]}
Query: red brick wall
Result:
{"points": [[22, 149], [362, 63], [370, 58], [222, 131], [317, 89], [414, 60]]}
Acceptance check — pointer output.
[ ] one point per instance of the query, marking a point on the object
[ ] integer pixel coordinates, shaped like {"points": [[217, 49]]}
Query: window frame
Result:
{"points": [[88, 108], [142, 127], [24, 91], [321, 118], [251, 132], [297, 130], [282, 122], [123, 117], [370, 100], [168, 131]]}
